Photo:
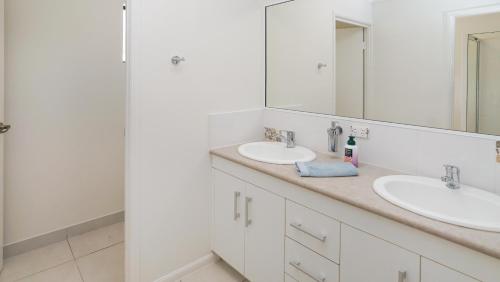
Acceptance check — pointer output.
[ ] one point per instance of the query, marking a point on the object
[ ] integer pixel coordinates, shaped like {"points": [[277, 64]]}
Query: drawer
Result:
{"points": [[313, 230], [305, 265]]}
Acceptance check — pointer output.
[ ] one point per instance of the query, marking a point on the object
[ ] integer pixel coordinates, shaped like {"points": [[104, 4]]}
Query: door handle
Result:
{"points": [[4, 128], [301, 228], [248, 221], [236, 214]]}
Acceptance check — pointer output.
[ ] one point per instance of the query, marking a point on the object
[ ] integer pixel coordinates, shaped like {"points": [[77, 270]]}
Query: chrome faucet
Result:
{"points": [[333, 137], [288, 137], [452, 178]]}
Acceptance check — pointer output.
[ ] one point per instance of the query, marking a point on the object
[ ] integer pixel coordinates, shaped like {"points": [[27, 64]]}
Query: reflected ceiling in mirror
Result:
{"points": [[432, 63]]}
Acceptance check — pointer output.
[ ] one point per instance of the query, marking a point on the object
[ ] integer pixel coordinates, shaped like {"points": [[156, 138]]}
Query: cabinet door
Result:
{"points": [[434, 272], [366, 258], [228, 233], [264, 236]]}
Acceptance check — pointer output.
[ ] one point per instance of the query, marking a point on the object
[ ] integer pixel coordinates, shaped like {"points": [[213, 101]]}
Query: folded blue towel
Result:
{"points": [[326, 169]]}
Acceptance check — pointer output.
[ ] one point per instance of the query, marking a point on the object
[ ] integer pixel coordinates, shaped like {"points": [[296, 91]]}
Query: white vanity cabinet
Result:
{"points": [[273, 231], [248, 228], [367, 258]]}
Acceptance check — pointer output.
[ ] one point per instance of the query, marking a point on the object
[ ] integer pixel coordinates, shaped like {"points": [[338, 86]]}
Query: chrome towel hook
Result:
{"points": [[176, 60]]}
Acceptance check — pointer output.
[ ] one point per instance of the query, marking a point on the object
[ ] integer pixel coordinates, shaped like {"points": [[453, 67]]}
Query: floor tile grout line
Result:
{"points": [[40, 271], [52, 267], [74, 259], [101, 249]]}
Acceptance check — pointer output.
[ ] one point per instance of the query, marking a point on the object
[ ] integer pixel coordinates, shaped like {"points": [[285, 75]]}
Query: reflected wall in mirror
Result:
{"points": [[432, 63]]}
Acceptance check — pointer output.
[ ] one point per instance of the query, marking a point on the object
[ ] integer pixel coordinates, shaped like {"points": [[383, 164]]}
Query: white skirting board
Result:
{"points": [[61, 234], [183, 271]]}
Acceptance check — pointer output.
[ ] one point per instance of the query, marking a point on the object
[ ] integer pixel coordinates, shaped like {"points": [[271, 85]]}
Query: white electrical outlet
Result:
{"points": [[359, 131]]}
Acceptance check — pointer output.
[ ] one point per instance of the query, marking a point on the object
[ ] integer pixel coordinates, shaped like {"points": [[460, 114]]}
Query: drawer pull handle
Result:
{"points": [[236, 213], [402, 276], [248, 220], [299, 227], [298, 266]]}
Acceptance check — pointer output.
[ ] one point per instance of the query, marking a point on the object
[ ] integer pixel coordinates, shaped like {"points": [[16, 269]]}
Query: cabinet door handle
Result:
{"points": [[248, 221], [402, 276], [236, 199], [298, 266], [299, 227]]}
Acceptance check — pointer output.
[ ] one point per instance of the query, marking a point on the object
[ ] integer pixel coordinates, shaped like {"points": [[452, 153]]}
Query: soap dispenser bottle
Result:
{"points": [[351, 151]]}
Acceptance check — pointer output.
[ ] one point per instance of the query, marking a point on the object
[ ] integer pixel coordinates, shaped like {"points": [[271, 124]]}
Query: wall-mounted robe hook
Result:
{"points": [[176, 60]]}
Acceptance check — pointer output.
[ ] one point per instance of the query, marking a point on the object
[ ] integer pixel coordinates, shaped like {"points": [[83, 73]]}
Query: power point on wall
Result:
{"points": [[359, 131]]}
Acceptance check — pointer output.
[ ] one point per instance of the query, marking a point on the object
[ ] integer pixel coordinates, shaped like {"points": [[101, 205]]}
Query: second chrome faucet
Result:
{"points": [[288, 137], [452, 177], [333, 137]]}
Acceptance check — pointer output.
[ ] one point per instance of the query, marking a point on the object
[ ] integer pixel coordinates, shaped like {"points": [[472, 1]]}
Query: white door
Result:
{"points": [[3, 127], [264, 248], [434, 272], [228, 226], [366, 258]]}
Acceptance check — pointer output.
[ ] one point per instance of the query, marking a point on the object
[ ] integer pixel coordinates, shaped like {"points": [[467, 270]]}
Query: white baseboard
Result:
{"points": [[181, 272], [62, 234]]}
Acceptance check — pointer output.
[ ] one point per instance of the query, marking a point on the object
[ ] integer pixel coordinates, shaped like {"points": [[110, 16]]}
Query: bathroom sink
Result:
{"points": [[467, 206], [276, 153]]}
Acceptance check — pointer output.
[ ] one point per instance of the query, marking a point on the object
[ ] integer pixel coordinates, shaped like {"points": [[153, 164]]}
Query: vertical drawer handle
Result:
{"points": [[402, 276], [299, 227], [236, 213], [248, 221], [298, 266]]}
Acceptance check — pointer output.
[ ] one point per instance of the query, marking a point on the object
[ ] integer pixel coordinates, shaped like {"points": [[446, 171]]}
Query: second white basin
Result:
{"points": [[276, 153], [467, 206]]}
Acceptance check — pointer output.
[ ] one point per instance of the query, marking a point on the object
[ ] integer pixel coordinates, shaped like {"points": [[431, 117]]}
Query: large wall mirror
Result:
{"points": [[433, 63]]}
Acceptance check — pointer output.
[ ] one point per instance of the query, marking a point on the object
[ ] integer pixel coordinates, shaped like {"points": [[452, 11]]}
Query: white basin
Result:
{"points": [[276, 153], [467, 206]]}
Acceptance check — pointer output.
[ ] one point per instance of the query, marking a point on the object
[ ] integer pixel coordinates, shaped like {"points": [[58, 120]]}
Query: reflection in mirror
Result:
{"points": [[432, 63], [350, 69], [483, 82], [300, 56]]}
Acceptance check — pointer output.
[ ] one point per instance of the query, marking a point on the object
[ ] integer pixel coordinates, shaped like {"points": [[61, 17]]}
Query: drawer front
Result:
{"points": [[313, 230], [305, 265]]}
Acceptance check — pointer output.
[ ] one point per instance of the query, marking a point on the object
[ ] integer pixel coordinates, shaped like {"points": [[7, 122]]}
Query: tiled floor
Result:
{"points": [[96, 256], [215, 272]]}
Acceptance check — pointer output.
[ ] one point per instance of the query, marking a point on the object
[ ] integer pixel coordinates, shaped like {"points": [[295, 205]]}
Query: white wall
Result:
{"points": [[168, 160], [65, 99], [410, 60]]}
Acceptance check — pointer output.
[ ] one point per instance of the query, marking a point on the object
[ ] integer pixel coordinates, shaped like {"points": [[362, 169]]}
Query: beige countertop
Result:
{"points": [[357, 191]]}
